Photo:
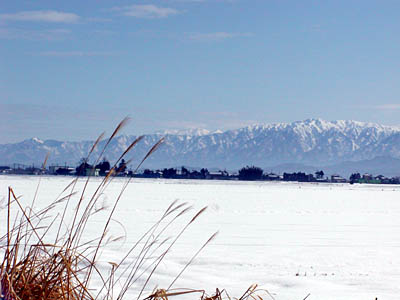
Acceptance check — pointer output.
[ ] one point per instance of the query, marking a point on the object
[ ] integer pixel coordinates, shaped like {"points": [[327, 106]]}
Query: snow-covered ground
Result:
{"points": [[332, 241]]}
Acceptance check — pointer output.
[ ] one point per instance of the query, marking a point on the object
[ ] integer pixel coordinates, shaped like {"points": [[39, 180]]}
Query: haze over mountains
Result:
{"points": [[337, 147]]}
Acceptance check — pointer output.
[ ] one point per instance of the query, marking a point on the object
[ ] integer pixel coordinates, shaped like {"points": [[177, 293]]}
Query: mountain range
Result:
{"points": [[338, 146]]}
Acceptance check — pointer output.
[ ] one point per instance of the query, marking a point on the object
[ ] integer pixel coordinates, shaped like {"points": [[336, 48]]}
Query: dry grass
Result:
{"points": [[252, 293], [36, 268]]}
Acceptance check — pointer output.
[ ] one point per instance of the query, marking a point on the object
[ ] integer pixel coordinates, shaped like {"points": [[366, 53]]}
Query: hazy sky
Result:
{"points": [[71, 69]]}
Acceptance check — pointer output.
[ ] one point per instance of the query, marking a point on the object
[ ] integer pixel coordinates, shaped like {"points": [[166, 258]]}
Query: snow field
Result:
{"points": [[333, 241]]}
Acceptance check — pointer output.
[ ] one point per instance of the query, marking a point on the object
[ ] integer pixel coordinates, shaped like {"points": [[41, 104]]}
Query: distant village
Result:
{"points": [[246, 173]]}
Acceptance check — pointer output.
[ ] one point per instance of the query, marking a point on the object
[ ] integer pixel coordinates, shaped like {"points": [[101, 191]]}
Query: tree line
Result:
{"points": [[251, 173]]}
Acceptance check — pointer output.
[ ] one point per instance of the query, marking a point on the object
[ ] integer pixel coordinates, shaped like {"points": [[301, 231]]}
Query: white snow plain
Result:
{"points": [[333, 241]]}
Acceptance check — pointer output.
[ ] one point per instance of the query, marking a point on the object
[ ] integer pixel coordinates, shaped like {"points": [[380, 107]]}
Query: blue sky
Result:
{"points": [[72, 69]]}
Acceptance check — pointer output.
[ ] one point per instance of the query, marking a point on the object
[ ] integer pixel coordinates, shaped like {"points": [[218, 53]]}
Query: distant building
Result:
{"points": [[367, 177], [338, 179], [148, 174], [92, 172], [61, 170], [322, 179], [272, 177], [5, 169], [299, 176], [383, 179], [221, 175]]}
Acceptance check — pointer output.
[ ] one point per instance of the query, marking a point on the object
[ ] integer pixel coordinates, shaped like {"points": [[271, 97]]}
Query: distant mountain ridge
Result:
{"points": [[312, 142]]}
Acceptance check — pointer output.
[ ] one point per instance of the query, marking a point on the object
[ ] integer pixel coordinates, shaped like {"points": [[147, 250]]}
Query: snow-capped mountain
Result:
{"points": [[312, 142], [192, 131]]}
